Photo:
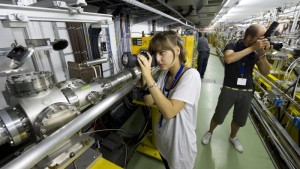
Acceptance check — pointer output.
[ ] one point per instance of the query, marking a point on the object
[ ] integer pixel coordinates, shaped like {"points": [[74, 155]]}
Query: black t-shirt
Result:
{"points": [[233, 70]]}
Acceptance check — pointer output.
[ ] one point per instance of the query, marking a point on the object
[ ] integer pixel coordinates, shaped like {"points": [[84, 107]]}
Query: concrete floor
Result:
{"points": [[219, 154]]}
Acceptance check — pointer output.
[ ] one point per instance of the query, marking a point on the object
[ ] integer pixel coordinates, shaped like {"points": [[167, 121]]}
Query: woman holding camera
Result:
{"points": [[176, 93]]}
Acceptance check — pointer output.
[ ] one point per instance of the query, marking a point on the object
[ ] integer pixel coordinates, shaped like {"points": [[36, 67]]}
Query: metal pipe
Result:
{"points": [[273, 139], [84, 91], [261, 88], [95, 62], [287, 146], [148, 8], [49, 14], [35, 154], [287, 113], [281, 92], [173, 10], [295, 22], [104, 86]]}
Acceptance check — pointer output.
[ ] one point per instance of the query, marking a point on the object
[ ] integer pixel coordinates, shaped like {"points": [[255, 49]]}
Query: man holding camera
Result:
{"points": [[237, 89]]}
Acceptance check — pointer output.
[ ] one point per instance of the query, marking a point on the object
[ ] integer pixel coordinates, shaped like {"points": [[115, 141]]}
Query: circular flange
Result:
{"points": [[53, 117], [28, 84]]}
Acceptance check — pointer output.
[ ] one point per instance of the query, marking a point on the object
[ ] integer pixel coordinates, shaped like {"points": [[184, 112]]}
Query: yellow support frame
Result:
{"points": [[294, 111], [148, 144], [101, 162]]}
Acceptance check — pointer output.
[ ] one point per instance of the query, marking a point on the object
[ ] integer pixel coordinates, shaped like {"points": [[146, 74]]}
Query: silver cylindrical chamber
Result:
{"points": [[53, 117], [4, 138], [15, 126], [102, 86], [34, 105], [30, 83], [36, 153], [115, 82], [85, 90]]}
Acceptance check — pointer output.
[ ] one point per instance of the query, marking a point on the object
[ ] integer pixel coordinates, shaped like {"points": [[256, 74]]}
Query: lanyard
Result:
{"points": [[243, 69], [172, 85]]}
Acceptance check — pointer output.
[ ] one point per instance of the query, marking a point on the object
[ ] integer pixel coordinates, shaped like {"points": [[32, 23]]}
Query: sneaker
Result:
{"points": [[206, 138], [236, 143]]}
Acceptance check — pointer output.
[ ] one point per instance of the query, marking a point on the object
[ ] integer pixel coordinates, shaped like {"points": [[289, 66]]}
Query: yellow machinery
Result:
{"points": [[276, 107], [101, 162], [140, 43], [148, 144], [281, 103]]}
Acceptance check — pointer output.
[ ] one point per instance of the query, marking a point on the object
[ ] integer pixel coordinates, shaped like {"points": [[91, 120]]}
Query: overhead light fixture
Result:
{"points": [[235, 4], [225, 10]]}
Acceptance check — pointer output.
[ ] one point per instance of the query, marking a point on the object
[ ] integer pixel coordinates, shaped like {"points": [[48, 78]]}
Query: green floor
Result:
{"points": [[219, 154]]}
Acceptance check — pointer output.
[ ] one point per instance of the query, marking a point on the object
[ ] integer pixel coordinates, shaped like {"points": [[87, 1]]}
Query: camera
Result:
{"points": [[129, 60], [270, 30]]}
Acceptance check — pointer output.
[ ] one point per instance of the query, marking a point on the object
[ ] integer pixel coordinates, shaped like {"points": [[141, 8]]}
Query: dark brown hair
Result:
{"points": [[167, 40]]}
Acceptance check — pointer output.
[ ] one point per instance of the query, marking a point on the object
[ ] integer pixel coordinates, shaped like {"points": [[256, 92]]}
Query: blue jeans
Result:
{"points": [[202, 62]]}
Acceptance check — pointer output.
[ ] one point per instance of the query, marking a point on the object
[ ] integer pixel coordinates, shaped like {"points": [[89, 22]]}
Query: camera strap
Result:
{"points": [[177, 77], [243, 69]]}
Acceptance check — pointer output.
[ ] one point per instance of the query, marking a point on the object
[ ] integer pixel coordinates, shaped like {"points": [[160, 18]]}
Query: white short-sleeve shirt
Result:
{"points": [[176, 138]]}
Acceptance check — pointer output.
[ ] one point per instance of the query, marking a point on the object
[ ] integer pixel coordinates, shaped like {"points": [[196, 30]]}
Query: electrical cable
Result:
{"points": [[139, 134], [298, 137], [295, 89], [126, 152], [99, 67], [292, 85], [94, 43], [95, 131], [147, 119], [82, 42], [95, 71], [77, 38], [290, 68], [75, 44], [274, 139], [94, 37], [94, 127], [139, 138], [123, 142]]}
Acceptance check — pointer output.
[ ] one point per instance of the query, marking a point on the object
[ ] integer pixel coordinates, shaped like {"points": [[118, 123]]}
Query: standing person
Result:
{"points": [[203, 54], [237, 91], [176, 93]]}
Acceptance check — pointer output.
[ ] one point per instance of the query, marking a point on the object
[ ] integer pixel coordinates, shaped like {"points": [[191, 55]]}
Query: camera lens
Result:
{"points": [[129, 60], [125, 59], [276, 45], [271, 29]]}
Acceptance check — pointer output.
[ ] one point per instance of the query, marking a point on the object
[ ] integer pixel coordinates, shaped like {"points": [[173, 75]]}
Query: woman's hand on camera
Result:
{"points": [[145, 65]]}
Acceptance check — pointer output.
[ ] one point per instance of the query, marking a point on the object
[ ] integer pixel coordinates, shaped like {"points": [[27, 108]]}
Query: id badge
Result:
{"points": [[241, 81]]}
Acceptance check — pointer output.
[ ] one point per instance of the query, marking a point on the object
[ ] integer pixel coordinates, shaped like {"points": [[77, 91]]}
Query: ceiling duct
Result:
{"points": [[190, 10], [200, 5], [215, 2]]}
